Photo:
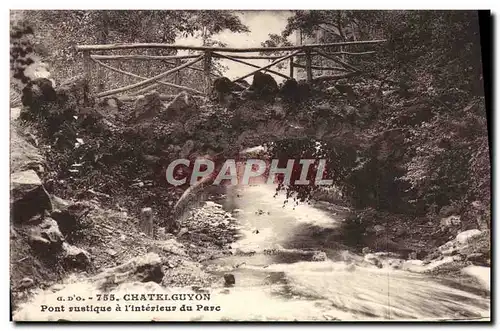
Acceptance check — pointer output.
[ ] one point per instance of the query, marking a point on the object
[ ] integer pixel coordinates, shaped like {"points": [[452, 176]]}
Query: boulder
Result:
{"points": [[319, 256], [264, 85], [28, 196], [229, 280], [75, 258], [450, 221], [37, 93], [464, 242], [147, 106], [178, 106], [112, 105], [50, 230], [23, 155], [38, 243], [473, 244], [182, 232], [373, 259], [289, 91], [69, 215], [59, 203], [71, 91], [448, 248], [476, 257], [450, 263], [144, 268], [172, 246], [481, 274], [26, 282], [23, 183], [222, 88], [467, 236], [46, 236]]}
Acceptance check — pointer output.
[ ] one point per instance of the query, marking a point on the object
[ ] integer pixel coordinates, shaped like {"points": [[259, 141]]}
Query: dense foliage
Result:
{"points": [[417, 139], [58, 31], [427, 147]]}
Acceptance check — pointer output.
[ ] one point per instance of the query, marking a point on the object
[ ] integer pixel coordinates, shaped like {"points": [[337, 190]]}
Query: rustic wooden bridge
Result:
{"points": [[204, 55]]}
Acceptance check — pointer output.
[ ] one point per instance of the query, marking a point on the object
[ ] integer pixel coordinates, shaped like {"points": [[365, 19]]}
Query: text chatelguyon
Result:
{"points": [[244, 172]]}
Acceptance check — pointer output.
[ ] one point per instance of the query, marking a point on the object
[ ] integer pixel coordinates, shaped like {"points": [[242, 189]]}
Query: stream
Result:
{"points": [[288, 265], [342, 287]]}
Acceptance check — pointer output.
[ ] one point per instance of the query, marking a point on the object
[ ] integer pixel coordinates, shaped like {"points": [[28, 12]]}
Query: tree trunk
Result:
{"points": [[103, 39], [308, 67], [206, 68], [88, 76]]}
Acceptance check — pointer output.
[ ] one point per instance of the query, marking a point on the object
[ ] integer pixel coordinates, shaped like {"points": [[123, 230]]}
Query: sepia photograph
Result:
{"points": [[250, 166]]}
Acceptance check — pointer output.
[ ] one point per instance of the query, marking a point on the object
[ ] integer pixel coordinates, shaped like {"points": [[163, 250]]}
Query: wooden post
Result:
{"points": [[178, 79], [291, 67], [308, 66], [87, 77], [206, 68], [101, 77], [103, 39]]}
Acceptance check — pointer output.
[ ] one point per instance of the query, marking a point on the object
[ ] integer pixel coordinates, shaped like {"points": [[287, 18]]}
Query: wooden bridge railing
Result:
{"points": [[205, 54]]}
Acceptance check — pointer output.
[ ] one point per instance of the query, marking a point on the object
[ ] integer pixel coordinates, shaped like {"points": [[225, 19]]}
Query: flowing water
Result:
{"points": [[282, 274], [284, 286]]}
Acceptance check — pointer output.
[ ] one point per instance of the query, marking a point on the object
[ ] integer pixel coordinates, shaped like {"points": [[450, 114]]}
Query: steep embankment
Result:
{"points": [[107, 252], [52, 237]]}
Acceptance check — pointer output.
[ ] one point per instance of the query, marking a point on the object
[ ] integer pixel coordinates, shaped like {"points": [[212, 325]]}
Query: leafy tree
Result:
{"points": [[62, 30], [428, 143], [276, 40]]}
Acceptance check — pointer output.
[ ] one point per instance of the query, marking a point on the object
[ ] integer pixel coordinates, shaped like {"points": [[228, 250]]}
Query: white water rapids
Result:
{"points": [[279, 288]]}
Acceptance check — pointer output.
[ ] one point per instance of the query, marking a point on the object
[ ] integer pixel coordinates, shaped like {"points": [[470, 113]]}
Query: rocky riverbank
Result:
{"points": [[90, 238]]}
